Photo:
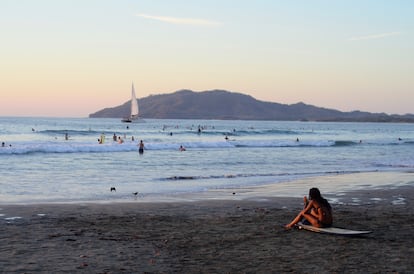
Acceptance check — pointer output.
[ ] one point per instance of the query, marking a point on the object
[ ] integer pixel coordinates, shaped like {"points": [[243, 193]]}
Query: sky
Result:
{"points": [[70, 58]]}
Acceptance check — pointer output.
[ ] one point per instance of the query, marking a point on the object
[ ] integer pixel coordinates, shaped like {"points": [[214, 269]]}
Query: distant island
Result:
{"points": [[226, 105]]}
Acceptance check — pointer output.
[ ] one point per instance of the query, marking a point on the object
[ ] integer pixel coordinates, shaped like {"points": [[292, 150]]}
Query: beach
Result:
{"points": [[209, 236]]}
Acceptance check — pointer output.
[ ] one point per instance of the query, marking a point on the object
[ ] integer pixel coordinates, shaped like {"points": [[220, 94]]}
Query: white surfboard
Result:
{"points": [[333, 230]]}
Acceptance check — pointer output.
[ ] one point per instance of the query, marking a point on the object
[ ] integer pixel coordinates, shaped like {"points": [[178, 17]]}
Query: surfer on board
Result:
{"points": [[317, 211]]}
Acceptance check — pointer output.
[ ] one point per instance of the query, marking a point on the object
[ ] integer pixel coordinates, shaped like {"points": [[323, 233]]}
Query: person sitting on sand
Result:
{"points": [[317, 211]]}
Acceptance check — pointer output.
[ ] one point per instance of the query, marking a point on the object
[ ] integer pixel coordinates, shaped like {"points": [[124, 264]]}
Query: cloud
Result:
{"points": [[375, 36], [182, 21]]}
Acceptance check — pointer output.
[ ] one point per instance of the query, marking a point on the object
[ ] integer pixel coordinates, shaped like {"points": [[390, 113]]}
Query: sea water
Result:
{"points": [[61, 160]]}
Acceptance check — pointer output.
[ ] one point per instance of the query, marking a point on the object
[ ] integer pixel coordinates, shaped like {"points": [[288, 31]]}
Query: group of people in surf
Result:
{"points": [[3, 144], [120, 140], [140, 145]]}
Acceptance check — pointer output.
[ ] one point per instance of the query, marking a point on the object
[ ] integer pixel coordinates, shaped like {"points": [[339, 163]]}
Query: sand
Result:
{"points": [[215, 236]]}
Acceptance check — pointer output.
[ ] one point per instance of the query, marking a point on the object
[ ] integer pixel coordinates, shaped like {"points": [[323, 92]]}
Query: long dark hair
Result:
{"points": [[315, 194]]}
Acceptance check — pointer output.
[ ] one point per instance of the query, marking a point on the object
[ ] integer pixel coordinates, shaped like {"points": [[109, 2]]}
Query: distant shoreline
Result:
{"points": [[397, 121], [227, 105]]}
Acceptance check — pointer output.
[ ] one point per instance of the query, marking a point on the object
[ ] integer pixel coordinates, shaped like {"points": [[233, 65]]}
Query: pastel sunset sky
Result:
{"points": [[70, 58]]}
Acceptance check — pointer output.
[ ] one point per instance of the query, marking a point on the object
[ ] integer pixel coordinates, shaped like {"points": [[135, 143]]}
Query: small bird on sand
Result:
{"points": [[113, 189]]}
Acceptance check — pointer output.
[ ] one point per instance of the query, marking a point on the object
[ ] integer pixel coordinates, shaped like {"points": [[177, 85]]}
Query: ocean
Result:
{"points": [[49, 160]]}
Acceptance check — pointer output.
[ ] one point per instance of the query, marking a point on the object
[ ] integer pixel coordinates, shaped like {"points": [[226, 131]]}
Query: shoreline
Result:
{"points": [[218, 232], [198, 238], [390, 195], [333, 186], [209, 236]]}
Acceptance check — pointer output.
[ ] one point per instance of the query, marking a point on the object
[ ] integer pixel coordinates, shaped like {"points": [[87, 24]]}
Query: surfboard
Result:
{"points": [[333, 230]]}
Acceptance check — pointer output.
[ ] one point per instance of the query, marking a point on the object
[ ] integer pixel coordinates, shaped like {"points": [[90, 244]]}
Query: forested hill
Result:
{"points": [[221, 104]]}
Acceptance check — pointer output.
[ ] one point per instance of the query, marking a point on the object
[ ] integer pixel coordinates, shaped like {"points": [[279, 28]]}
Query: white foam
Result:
{"points": [[335, 201], [399, 201], [13, 218]]}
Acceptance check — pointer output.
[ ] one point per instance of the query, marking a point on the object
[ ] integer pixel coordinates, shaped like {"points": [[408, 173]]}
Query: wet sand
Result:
{"points": [[216, 236]]}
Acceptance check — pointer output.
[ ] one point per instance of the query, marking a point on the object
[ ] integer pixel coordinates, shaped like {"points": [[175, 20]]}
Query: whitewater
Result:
{"points": [[46, 160]]}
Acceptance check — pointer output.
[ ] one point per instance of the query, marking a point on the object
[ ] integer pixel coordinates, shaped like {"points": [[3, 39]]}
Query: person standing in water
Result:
{"points": [[317, 211], [141, 147]]}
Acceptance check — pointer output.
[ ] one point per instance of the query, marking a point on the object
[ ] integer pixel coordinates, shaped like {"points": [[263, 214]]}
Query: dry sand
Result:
{"points": [[208, 237]]}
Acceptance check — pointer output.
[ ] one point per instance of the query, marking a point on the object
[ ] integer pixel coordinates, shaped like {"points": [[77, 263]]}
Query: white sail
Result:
{"points": [[134, 115], [134, 104]]}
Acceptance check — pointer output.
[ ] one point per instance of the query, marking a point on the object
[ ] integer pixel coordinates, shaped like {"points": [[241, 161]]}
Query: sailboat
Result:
{"points": [[134, 108]]}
